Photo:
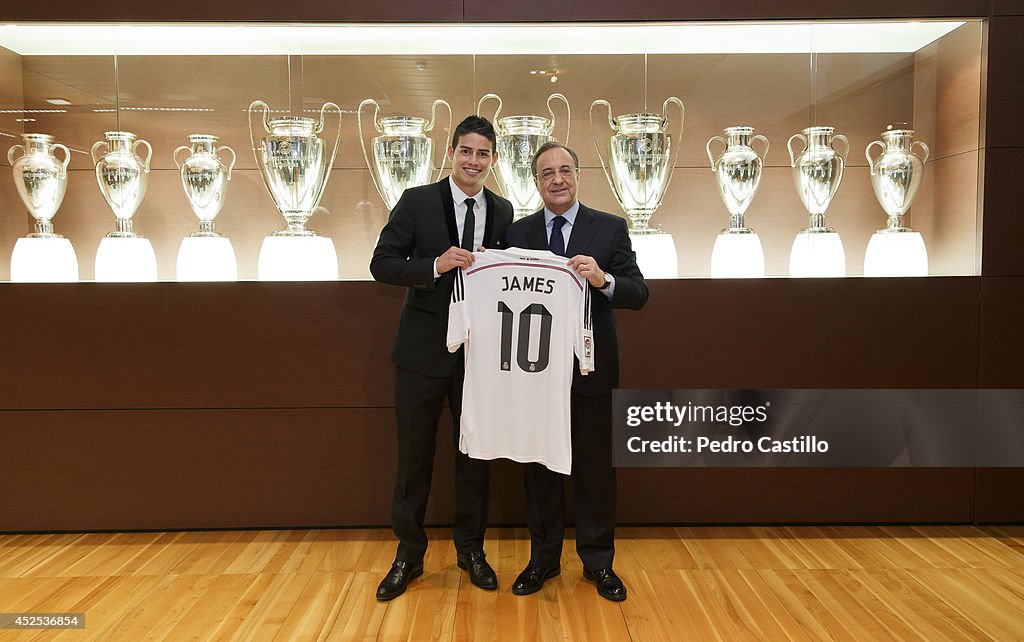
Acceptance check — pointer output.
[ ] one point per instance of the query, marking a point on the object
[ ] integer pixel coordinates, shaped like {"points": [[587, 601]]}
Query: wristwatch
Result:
{"points": [[607, 282]]}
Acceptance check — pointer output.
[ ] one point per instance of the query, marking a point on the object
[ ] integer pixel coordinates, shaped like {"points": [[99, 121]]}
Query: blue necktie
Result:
{"points": [[469, 226], [557, 242]]}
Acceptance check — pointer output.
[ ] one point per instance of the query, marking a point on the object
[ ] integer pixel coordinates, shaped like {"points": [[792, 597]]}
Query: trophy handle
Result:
{"points": [[362, 141], [597, 146], [430, 126], [867, 154], [679, 141], [10, 153], [175, 155], [149, 154], [927, 152], [789, 148], [334, 151], [568, 115], [767, 145], [257, 105], [483, 99], [67, 158], [707, 148], [846, 141], [233, 158], [95, 146]]}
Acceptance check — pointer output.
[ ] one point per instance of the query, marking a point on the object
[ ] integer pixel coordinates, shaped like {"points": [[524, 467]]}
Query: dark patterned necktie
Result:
{"points": [[557, 242]]}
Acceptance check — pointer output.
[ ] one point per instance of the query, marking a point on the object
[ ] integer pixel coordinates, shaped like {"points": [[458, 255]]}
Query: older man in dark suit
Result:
{"points": [[599, 249], [432, 232]]}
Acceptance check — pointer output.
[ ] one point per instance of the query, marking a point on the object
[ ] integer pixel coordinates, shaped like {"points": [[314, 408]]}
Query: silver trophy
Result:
{"points": [[122, 177], [738, 172], [403, 154], [640, 159], [41, 179], [294, 163], [205, 178], [519, 138], [818, 170], [896, 174]]}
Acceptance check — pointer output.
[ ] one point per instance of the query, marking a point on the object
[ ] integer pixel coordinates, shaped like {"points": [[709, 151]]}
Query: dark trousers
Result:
{"points": [[418, 402], [593, 486]]}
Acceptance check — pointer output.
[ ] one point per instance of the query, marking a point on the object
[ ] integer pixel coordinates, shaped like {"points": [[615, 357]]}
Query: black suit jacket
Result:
{"points": [[606, 238], [421, 228]]}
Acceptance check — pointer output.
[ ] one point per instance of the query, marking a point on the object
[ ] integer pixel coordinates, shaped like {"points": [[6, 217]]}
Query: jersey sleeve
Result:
{"points": [[584, 339], [458, 313]]}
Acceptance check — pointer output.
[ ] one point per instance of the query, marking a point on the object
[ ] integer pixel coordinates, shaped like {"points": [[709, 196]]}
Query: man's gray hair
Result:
{"points": [[548, 146]]}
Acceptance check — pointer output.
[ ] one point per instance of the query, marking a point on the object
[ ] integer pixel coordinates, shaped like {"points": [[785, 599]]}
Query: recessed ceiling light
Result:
{"points": [[58, 101]]}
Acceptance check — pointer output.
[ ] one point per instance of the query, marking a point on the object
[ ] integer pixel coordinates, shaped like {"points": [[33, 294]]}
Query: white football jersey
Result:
{"points": [[521, 314]]}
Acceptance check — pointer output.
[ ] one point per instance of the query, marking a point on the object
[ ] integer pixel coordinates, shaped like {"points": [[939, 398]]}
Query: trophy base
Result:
{"points": [[819, 230], [206, 258], [290, 233], [44, 259], [738, 231], [125, 259], [656, 254], [298, 258], [737, 255], [896, 254], [817, 253]]}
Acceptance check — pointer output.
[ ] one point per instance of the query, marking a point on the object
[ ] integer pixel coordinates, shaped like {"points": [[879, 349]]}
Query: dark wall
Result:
{"points": [[177, 405]]}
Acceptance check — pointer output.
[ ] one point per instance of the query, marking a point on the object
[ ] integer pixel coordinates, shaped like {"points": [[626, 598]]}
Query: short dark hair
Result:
{"points": [[475, 125], [548, 146]]}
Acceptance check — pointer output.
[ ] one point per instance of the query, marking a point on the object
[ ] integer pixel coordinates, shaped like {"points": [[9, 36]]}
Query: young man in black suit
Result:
{"points": [[600, 251], [432, 232]]}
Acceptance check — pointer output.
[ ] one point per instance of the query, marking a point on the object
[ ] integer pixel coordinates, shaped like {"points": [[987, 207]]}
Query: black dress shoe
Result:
{"points": [[609, 586], [532, 579], [397, 579], [480, 572]]}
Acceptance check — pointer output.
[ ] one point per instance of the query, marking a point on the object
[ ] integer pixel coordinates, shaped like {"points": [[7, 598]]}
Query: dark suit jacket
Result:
{"points": [[421, 228], [606, 238]]}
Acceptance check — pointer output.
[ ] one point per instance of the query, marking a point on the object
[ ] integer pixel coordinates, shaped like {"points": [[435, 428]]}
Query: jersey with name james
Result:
{"points": [[522, 315]]}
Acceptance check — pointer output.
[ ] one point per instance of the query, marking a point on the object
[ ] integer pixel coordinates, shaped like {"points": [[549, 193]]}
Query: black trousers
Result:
{"points": [[593, 485], [418, 402]]}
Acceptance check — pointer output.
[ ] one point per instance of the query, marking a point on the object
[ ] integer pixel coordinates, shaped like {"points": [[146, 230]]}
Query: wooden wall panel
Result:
{"points": [[240, 10], [853, 333], [176, 345], [779, 495], [266, 345], [181, 469], [536, 10]]}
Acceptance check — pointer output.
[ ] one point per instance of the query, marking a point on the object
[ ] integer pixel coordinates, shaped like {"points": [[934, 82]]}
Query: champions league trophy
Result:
{"points": [[519, 138], [205, 255], [122, 177], [295, 167], [738, 169], [895, 176], [403, 154], [639, 169], [41, 180], [817, 250]]}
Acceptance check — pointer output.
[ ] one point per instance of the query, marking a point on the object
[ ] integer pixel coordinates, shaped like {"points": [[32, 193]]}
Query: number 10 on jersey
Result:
{"points": [[523, 349]]}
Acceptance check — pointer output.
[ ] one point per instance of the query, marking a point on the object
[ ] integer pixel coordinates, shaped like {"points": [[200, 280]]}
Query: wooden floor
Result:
{"points": [[757, 583]]}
